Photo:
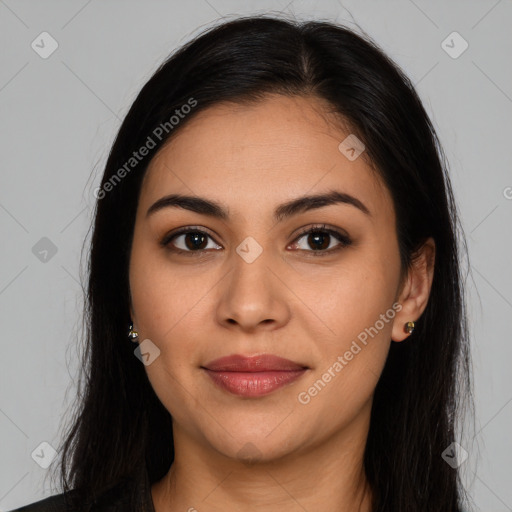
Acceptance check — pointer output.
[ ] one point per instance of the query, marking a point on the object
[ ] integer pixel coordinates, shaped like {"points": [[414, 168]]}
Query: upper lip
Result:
{"points": [[258, 363]]}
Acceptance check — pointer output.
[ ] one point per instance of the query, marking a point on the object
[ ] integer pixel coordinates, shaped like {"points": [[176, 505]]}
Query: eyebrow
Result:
{"points": [[214, 209]]}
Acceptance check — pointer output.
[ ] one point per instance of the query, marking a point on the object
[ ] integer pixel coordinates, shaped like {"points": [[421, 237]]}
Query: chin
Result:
{"points": [[255, 447]]}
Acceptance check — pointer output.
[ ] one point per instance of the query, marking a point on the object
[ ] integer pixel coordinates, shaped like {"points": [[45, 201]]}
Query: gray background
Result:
{"points": [[58, 118]]}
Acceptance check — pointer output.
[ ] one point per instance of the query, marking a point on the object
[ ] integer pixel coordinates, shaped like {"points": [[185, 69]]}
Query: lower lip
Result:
{"points": [[253, 384]]}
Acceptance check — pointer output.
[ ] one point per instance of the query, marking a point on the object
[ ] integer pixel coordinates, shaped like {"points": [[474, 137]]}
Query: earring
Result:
{"points": [[409, 327], [133, 335]]}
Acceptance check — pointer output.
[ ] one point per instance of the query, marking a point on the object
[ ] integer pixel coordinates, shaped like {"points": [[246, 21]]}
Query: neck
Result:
{"points": [[328, 477]]}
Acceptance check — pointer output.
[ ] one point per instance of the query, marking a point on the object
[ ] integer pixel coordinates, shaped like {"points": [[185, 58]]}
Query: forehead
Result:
{"points": [[264, 153]]}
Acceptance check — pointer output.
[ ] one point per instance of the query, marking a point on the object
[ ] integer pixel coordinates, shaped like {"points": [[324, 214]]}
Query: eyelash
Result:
{"points": [[344, 240]]}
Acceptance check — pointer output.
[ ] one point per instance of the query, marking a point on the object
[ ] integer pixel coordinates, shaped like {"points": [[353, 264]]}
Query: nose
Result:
{"points": [[253, 295]]}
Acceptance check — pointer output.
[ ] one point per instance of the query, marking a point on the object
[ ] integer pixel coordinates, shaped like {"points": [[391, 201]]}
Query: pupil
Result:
{"points": [[315, 238], [196, 237]]}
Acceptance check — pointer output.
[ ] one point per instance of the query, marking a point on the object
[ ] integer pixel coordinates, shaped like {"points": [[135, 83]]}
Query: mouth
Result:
{"points": [[253, 376]]}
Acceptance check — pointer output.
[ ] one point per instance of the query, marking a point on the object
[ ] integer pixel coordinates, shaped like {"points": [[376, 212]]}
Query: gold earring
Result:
{"points": [[133, 335], [409, 327]]}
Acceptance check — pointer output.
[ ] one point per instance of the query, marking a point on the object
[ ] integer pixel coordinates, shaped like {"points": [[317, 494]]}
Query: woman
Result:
{"points": [[276, 232]]}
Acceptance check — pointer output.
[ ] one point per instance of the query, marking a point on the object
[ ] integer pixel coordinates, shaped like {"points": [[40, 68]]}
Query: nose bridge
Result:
{"points": [[252, 293], [251, 261]]}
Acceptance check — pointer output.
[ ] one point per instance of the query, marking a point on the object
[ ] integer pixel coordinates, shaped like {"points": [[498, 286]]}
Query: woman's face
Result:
{"points": [[253, 283]]}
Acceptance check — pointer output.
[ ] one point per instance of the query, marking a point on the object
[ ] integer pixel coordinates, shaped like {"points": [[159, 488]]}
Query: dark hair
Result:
{"points": [[120, 425]]}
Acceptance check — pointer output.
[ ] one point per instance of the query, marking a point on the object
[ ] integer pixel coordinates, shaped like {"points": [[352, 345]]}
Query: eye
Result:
{"points": [[194, 241], [188, 240], [321, 238]]}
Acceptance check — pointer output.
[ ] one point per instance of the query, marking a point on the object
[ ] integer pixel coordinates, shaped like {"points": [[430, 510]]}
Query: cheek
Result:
{"points": [[163, 295], [166, 306], [169, 303], [175, 390], [351, 296], [355, 303]]}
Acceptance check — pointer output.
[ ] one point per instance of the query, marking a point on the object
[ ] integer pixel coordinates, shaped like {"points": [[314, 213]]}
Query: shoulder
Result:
{"points": [[62, 503], [116, 498], [55, 503]]}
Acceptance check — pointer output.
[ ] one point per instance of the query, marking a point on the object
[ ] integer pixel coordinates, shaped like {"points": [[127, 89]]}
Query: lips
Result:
{"points": [[261, 363], [253, 376]]}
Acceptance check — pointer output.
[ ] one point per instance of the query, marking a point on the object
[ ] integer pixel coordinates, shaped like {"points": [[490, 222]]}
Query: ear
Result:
{"points": [[415, 290]]}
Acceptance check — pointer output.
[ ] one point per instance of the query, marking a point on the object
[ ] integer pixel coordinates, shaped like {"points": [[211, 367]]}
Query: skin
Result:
{"points": [[252, 158]]}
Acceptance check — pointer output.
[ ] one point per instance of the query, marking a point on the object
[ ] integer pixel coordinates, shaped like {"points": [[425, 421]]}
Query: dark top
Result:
{"points": [[113, 500]]}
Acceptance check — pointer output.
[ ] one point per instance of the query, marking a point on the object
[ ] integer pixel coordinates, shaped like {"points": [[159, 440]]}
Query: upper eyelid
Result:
{"points": [[184, 231]]}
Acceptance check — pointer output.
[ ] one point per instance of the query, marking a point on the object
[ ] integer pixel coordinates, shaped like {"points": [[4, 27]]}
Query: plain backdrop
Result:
{"points": [[59, 113]]}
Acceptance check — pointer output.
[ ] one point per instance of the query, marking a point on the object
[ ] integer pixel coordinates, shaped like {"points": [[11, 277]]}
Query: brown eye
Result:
{"points": [[189, 240], [322, 240], [195, 241]]}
